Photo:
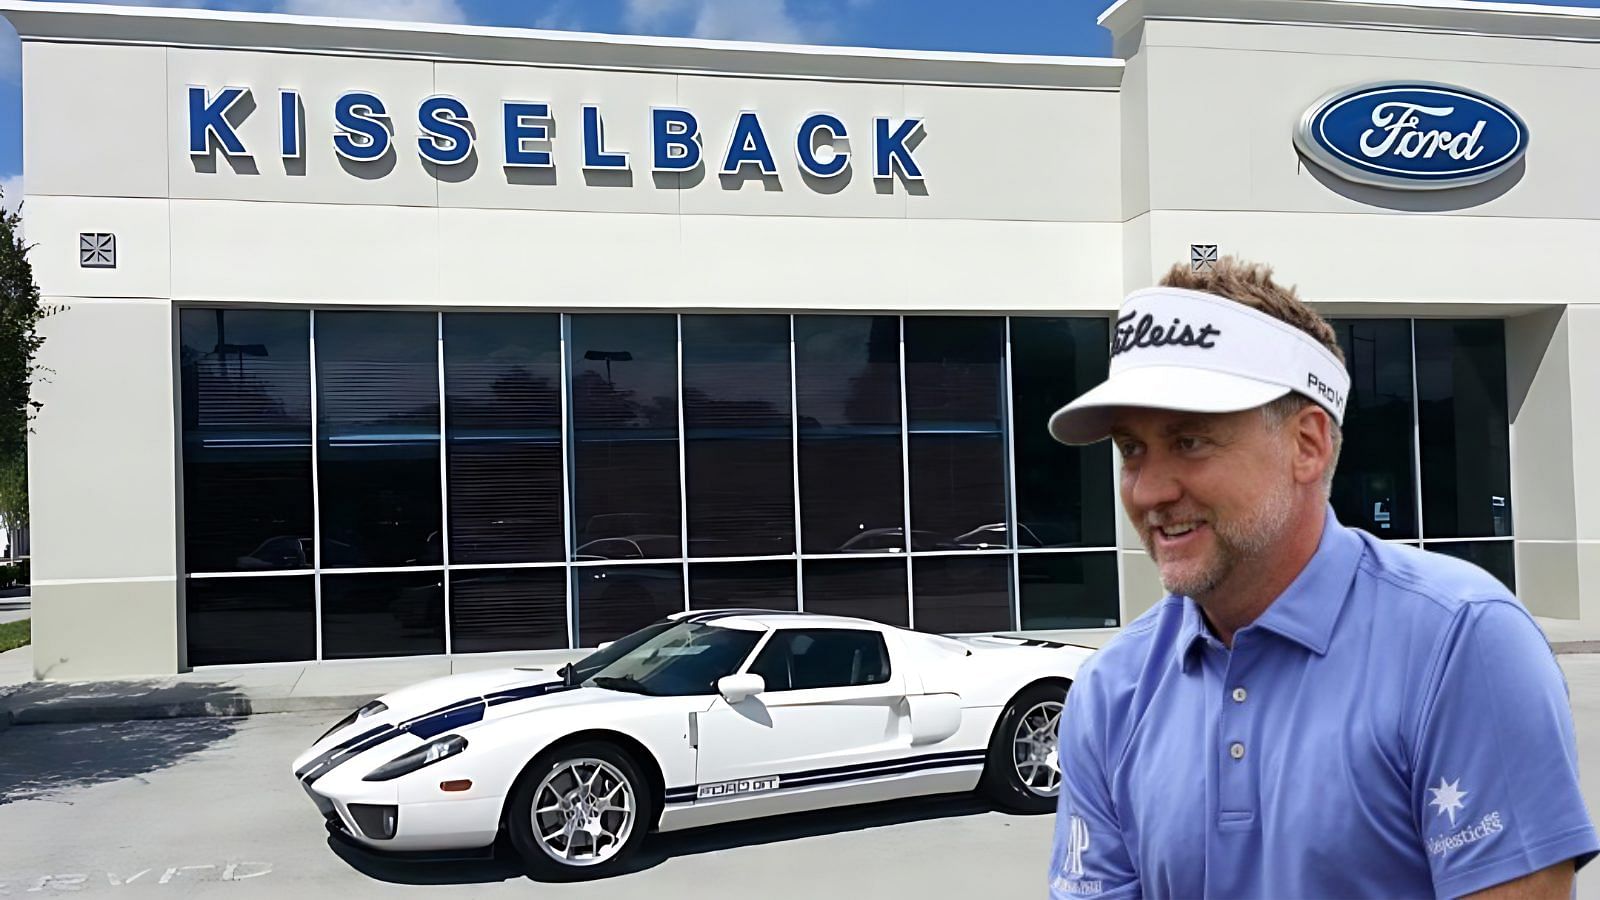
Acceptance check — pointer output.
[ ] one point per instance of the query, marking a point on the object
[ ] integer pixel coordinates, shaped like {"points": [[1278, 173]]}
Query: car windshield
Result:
{"points": [[671, 660]]}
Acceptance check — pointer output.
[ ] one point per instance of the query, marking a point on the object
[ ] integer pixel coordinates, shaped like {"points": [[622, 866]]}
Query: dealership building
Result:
{"points": [[385, 340]]}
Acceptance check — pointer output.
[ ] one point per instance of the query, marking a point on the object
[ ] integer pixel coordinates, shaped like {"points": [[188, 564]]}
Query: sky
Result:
{"points": [[1054, 27]]}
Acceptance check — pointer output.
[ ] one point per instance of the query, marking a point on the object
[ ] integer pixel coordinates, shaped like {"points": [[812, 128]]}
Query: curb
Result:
{"points": [[227, 707], [1564, 647]]}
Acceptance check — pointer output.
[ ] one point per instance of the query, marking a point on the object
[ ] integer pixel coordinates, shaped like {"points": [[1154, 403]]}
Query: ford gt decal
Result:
{"points": [[723, 790]]}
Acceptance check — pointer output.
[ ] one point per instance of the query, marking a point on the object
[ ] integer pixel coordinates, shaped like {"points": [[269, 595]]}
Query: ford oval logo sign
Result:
{"points": [[1412, 135]]}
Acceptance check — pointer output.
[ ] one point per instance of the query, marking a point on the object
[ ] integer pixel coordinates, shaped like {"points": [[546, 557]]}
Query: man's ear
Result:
{"points": [[1312, 430]]}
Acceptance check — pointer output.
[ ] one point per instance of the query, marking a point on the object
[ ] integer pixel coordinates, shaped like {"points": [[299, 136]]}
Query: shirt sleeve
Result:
{"points": [[1090, 857], [1494, 781]]}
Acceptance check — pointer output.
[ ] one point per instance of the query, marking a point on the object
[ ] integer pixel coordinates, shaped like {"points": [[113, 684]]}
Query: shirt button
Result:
{"points": [[1236, 751], [1239, 695]]}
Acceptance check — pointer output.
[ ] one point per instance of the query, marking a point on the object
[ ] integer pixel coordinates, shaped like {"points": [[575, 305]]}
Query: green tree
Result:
{"points": [[20, 313]]}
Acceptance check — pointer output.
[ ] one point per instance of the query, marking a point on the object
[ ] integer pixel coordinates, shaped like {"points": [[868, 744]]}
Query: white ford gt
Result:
{"points": [[703, 718]]}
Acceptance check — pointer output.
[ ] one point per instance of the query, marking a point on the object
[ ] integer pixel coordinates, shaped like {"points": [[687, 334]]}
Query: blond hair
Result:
{"points": [[1251, 284]]}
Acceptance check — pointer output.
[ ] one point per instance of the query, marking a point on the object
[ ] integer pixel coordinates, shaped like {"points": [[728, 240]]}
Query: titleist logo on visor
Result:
{"points": [[1146, 333]]}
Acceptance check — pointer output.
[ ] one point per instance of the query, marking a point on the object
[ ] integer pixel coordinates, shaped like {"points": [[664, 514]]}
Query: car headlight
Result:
{"points": [[371, 709], [426, 755]]}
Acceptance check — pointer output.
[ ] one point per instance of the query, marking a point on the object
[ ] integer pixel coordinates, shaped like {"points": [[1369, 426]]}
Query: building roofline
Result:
{"points": [[215, 29], [1445, 16]]}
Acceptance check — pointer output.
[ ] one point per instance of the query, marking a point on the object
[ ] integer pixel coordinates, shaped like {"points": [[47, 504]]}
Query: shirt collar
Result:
{"points": [[1308, 609]]}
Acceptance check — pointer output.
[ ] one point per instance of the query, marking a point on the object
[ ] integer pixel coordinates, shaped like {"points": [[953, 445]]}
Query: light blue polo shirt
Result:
{"points": [[1394, 725]]}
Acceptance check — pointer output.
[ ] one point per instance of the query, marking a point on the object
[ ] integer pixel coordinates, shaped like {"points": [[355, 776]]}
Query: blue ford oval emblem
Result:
{"points": [[1413, 135]]}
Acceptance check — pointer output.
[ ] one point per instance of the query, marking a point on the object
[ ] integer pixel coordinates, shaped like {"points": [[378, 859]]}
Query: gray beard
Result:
{"points": [[1239, 542]]}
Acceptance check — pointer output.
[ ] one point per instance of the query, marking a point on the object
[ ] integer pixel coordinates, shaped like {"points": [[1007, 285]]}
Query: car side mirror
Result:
{"points": [[735, 688]]}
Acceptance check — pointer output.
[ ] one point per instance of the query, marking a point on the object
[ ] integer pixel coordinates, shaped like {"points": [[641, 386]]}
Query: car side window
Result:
{"points": [[798, 659]]}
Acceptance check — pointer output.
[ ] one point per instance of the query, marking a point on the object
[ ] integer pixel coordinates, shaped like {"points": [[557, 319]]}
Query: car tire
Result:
{"points": [[564, 830], [1022, 771]]}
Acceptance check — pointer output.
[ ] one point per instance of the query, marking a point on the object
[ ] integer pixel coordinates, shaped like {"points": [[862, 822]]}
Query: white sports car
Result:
{"points": [[702, 718]]}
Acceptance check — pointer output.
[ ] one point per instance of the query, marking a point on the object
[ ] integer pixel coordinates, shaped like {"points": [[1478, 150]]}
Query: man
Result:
{"points": [[1310, 712]]}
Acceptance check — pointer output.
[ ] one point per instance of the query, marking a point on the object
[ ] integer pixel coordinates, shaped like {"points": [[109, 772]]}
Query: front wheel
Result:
{"points": [[579, 812], [1023, 770]]}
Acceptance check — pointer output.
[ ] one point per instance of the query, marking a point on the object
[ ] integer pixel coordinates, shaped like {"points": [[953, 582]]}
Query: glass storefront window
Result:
{"points": [[955, 388], [866, 588], [766, 584], [382, 614], [1498, 558], [378, 439], [738, 435], [1064, 494], [251, 620], [1374, 486], [616, 600], [1068, 590], [847, 381], [246, 408], [508, 609], [624, 388], [502, 380], [1462, 415], [962, 594]]}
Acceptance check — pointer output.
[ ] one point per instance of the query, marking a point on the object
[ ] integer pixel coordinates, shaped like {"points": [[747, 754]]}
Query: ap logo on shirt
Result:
{"points": [[1077, 842]]}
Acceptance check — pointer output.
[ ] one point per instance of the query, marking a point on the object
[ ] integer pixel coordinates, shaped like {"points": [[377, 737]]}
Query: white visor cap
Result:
{"points": [[1192, 351]]}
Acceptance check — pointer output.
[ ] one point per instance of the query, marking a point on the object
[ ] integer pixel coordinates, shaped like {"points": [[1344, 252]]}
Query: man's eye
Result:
{"points": [[1128, 450], [1189, 444]]}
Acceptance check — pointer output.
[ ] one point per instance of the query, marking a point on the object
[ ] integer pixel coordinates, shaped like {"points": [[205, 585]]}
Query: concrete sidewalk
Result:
{"points": [[342, 685]]}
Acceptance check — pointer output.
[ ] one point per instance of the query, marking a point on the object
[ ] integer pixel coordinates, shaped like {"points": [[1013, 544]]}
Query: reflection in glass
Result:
{"points": [[847, 384], [1462, 414], [625, 436], [955, 385], [1063, 493], [233, 621], [246, 388], [383, 614], [1069, 590], [1374, 485], [1498, 558], [962, 594], [739, 446], [759, 585], [866, 588], [502, 377], [508, 609], [615, 600], [378, 438]]}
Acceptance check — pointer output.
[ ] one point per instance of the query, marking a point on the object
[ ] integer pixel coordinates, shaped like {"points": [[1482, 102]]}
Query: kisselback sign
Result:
{"points": [[1412, 135], [361, 129]]}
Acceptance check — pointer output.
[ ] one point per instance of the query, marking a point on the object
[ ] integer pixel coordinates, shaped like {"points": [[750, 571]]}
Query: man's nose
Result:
{"points": [[1153, 484]]}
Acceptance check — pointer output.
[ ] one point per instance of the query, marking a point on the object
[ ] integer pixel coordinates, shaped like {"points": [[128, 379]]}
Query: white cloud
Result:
{"points": [[745, 20], [10, 192], [397, 10]]}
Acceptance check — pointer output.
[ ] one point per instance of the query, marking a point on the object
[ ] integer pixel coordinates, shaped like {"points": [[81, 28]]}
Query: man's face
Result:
{"points": [[1207, 492]]}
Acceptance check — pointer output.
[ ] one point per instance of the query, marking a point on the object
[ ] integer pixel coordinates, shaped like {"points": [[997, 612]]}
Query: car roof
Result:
{"points": [[778, 619]]}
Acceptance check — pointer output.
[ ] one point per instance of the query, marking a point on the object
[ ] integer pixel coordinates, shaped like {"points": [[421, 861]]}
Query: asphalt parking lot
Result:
{"points": [[207, 808]]}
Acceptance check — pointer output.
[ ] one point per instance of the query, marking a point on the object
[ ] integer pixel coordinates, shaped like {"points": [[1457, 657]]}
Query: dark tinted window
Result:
{"points": [[960, 594], [866, 588], [615, 600], [761, 585], [955, 384], [1374, 486], [847, 382], [384, 614], [1498, 558], [625, 436], [1069, 590], [738, 428], [246, 386], [250, 620], [1466, 460], [508, 609], [686, 660], [378, 435], [502, 376], [801, 659], [1064, 494]]}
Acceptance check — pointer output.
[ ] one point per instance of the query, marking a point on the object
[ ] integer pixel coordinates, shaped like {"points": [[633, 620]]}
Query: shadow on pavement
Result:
{"points": [[659, 848], [40, 761]]}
